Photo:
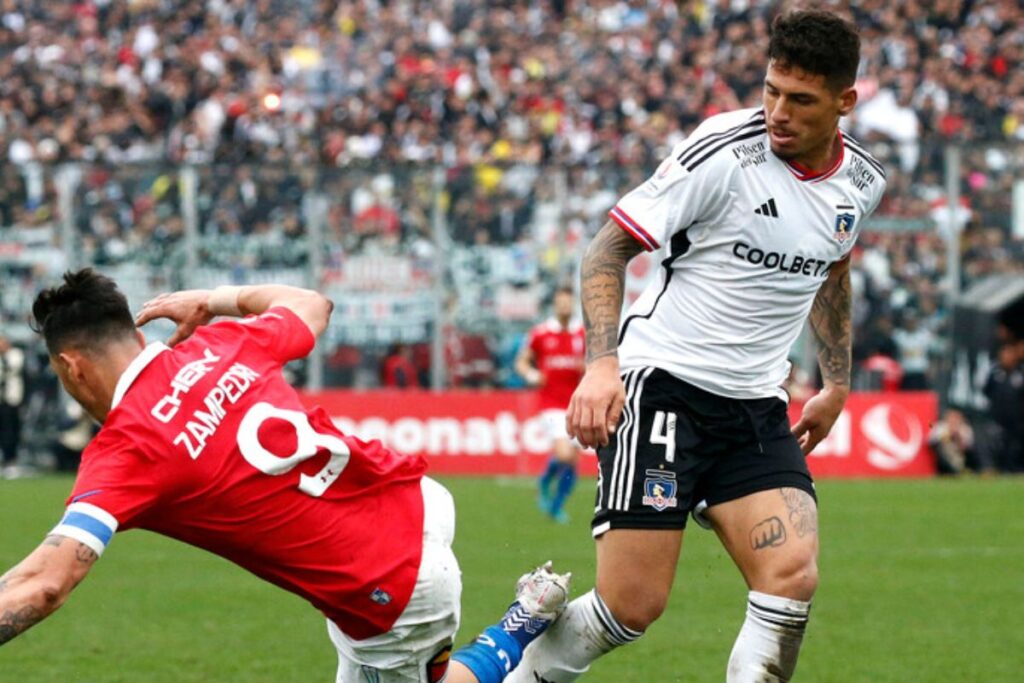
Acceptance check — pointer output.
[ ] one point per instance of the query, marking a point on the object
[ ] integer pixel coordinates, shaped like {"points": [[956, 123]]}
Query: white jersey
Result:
{"points": [[747, 240]]}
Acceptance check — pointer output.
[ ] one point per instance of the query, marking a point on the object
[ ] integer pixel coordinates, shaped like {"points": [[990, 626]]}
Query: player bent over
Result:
{"points": [[206, 443], [552, 359]]}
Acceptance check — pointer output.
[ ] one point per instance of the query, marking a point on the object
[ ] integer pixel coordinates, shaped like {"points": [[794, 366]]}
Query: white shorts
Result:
{"points": [[426, 629], [554, 421]]}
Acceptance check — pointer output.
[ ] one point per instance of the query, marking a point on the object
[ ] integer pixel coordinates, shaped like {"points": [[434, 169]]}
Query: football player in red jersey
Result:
{"points": [[204, 441], [552, 359]]}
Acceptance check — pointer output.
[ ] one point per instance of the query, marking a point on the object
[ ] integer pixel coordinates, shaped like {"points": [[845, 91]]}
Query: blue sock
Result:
{"points": [[491, 656], [566, 482], [549, 474], [499, 648]]}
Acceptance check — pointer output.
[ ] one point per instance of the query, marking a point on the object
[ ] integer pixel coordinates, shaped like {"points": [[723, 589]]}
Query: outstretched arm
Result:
{"points": [[833, 329], [195, 307], [39, 584], [597, 403]]}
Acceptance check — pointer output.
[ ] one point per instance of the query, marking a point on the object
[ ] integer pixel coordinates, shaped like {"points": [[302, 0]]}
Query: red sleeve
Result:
{"points": [[117, 477], [279, 332]]}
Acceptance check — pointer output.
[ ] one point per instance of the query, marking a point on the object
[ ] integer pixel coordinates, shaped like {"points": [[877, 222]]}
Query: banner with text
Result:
{"points": [[502, 432]]}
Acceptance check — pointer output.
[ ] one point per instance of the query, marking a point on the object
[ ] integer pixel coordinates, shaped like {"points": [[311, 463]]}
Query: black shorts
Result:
{"points": [[679, 449]]}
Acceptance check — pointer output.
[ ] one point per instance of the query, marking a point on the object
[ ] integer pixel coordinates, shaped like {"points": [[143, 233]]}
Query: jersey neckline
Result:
{"points": [[805, 174], [135, 369]]}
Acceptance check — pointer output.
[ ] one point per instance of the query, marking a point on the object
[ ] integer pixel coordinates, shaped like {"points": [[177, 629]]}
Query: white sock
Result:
{"points": [[769, 642], [584, 632]]}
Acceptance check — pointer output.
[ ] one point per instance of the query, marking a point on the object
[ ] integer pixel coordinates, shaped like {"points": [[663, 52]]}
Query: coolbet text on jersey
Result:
{"points": [[748, 240], [206, 443]]}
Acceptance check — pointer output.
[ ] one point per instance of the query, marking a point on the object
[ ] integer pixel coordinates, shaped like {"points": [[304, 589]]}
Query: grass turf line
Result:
{"points": [[921, 581]]}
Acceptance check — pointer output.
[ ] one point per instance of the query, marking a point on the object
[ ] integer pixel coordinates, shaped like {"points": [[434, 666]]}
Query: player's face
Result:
{"points": [[563, 305], [803, 113]]}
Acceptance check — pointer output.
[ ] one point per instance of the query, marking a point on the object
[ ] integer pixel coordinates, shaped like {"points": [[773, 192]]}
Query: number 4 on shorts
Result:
{"points": [[663, 431]]}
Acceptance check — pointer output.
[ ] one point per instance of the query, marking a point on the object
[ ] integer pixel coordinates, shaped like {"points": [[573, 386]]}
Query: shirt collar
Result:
{"points": [[135, 369]]}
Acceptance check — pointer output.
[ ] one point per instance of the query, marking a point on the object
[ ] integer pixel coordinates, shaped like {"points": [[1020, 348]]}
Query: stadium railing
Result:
{"points": [[456, 261]]}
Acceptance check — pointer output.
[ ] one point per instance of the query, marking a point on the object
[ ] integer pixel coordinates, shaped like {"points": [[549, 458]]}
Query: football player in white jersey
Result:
{"points": [[753, 218]]}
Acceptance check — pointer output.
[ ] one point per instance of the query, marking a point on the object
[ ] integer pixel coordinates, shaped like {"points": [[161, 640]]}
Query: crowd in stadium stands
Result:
{"points": [[541, 114]]}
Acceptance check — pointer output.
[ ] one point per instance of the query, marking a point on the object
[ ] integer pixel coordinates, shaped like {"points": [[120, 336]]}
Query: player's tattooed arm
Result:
{"points": [[602, 282], [833, 327], [15, 622], [40, 584]]}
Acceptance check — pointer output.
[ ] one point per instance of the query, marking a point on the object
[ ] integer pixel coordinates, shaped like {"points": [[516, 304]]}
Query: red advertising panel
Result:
{"points": [[878, 435], [460, 432], [501, 432]]}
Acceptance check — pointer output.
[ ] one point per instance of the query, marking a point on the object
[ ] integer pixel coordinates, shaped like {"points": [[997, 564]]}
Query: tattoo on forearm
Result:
{"points": [[602, 281], [14, 622], [85, 554], [768, 533], [53, 540], [3, 585], [830, 321], [803, 514]]}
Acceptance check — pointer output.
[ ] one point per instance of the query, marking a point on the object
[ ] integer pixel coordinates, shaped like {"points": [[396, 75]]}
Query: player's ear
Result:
{"points": [[140, 337], [847, 100], [69, 364]]}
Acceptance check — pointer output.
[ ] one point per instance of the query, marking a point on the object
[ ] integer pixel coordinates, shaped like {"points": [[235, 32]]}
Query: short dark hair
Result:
{"points": [[564, 289], [84, 312], [818, 42]]}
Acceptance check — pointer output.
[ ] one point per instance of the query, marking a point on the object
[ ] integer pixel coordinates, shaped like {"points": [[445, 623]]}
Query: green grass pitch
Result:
{"points": [[921, 581]]}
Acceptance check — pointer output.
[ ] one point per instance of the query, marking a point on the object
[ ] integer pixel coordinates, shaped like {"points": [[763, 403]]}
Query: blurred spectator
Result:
{"points": [[466, 83], [12, 395], [342, 366], [952, 442], [1005, 392], [914, 345], [883, 373], [74, 430], [359, 100], [469, 359], [398, 369], [468, 356]]}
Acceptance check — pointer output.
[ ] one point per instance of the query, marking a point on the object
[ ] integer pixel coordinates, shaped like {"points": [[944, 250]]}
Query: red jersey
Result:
{"points": [[208, 444], [558, 354]]}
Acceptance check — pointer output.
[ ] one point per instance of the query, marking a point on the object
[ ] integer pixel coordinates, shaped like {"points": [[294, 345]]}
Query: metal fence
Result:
{"points": [[455, 262]]}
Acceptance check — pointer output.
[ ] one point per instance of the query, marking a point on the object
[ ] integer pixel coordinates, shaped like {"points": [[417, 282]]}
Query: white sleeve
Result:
{"points": [[673, 198]]}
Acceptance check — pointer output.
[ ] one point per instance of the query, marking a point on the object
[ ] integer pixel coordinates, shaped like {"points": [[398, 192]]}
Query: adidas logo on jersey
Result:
{"points": [[768, 209]]}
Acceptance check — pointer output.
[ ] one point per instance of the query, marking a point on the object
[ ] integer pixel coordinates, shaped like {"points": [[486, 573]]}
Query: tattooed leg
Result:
{"points": [[772, 537], [803, 513]]}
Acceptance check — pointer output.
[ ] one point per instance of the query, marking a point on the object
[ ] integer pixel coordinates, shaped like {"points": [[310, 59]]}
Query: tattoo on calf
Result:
{"points": [[769, 533], [12, 623], [803, 516]]}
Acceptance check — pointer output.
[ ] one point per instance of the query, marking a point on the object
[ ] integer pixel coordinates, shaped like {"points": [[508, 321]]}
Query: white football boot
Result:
{"points": [[544, 593]]}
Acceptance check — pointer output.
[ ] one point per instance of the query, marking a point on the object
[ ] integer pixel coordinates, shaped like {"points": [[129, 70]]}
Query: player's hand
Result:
{"points": [[188, 309], [596, 405], [820, 413], [534, 378]]}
